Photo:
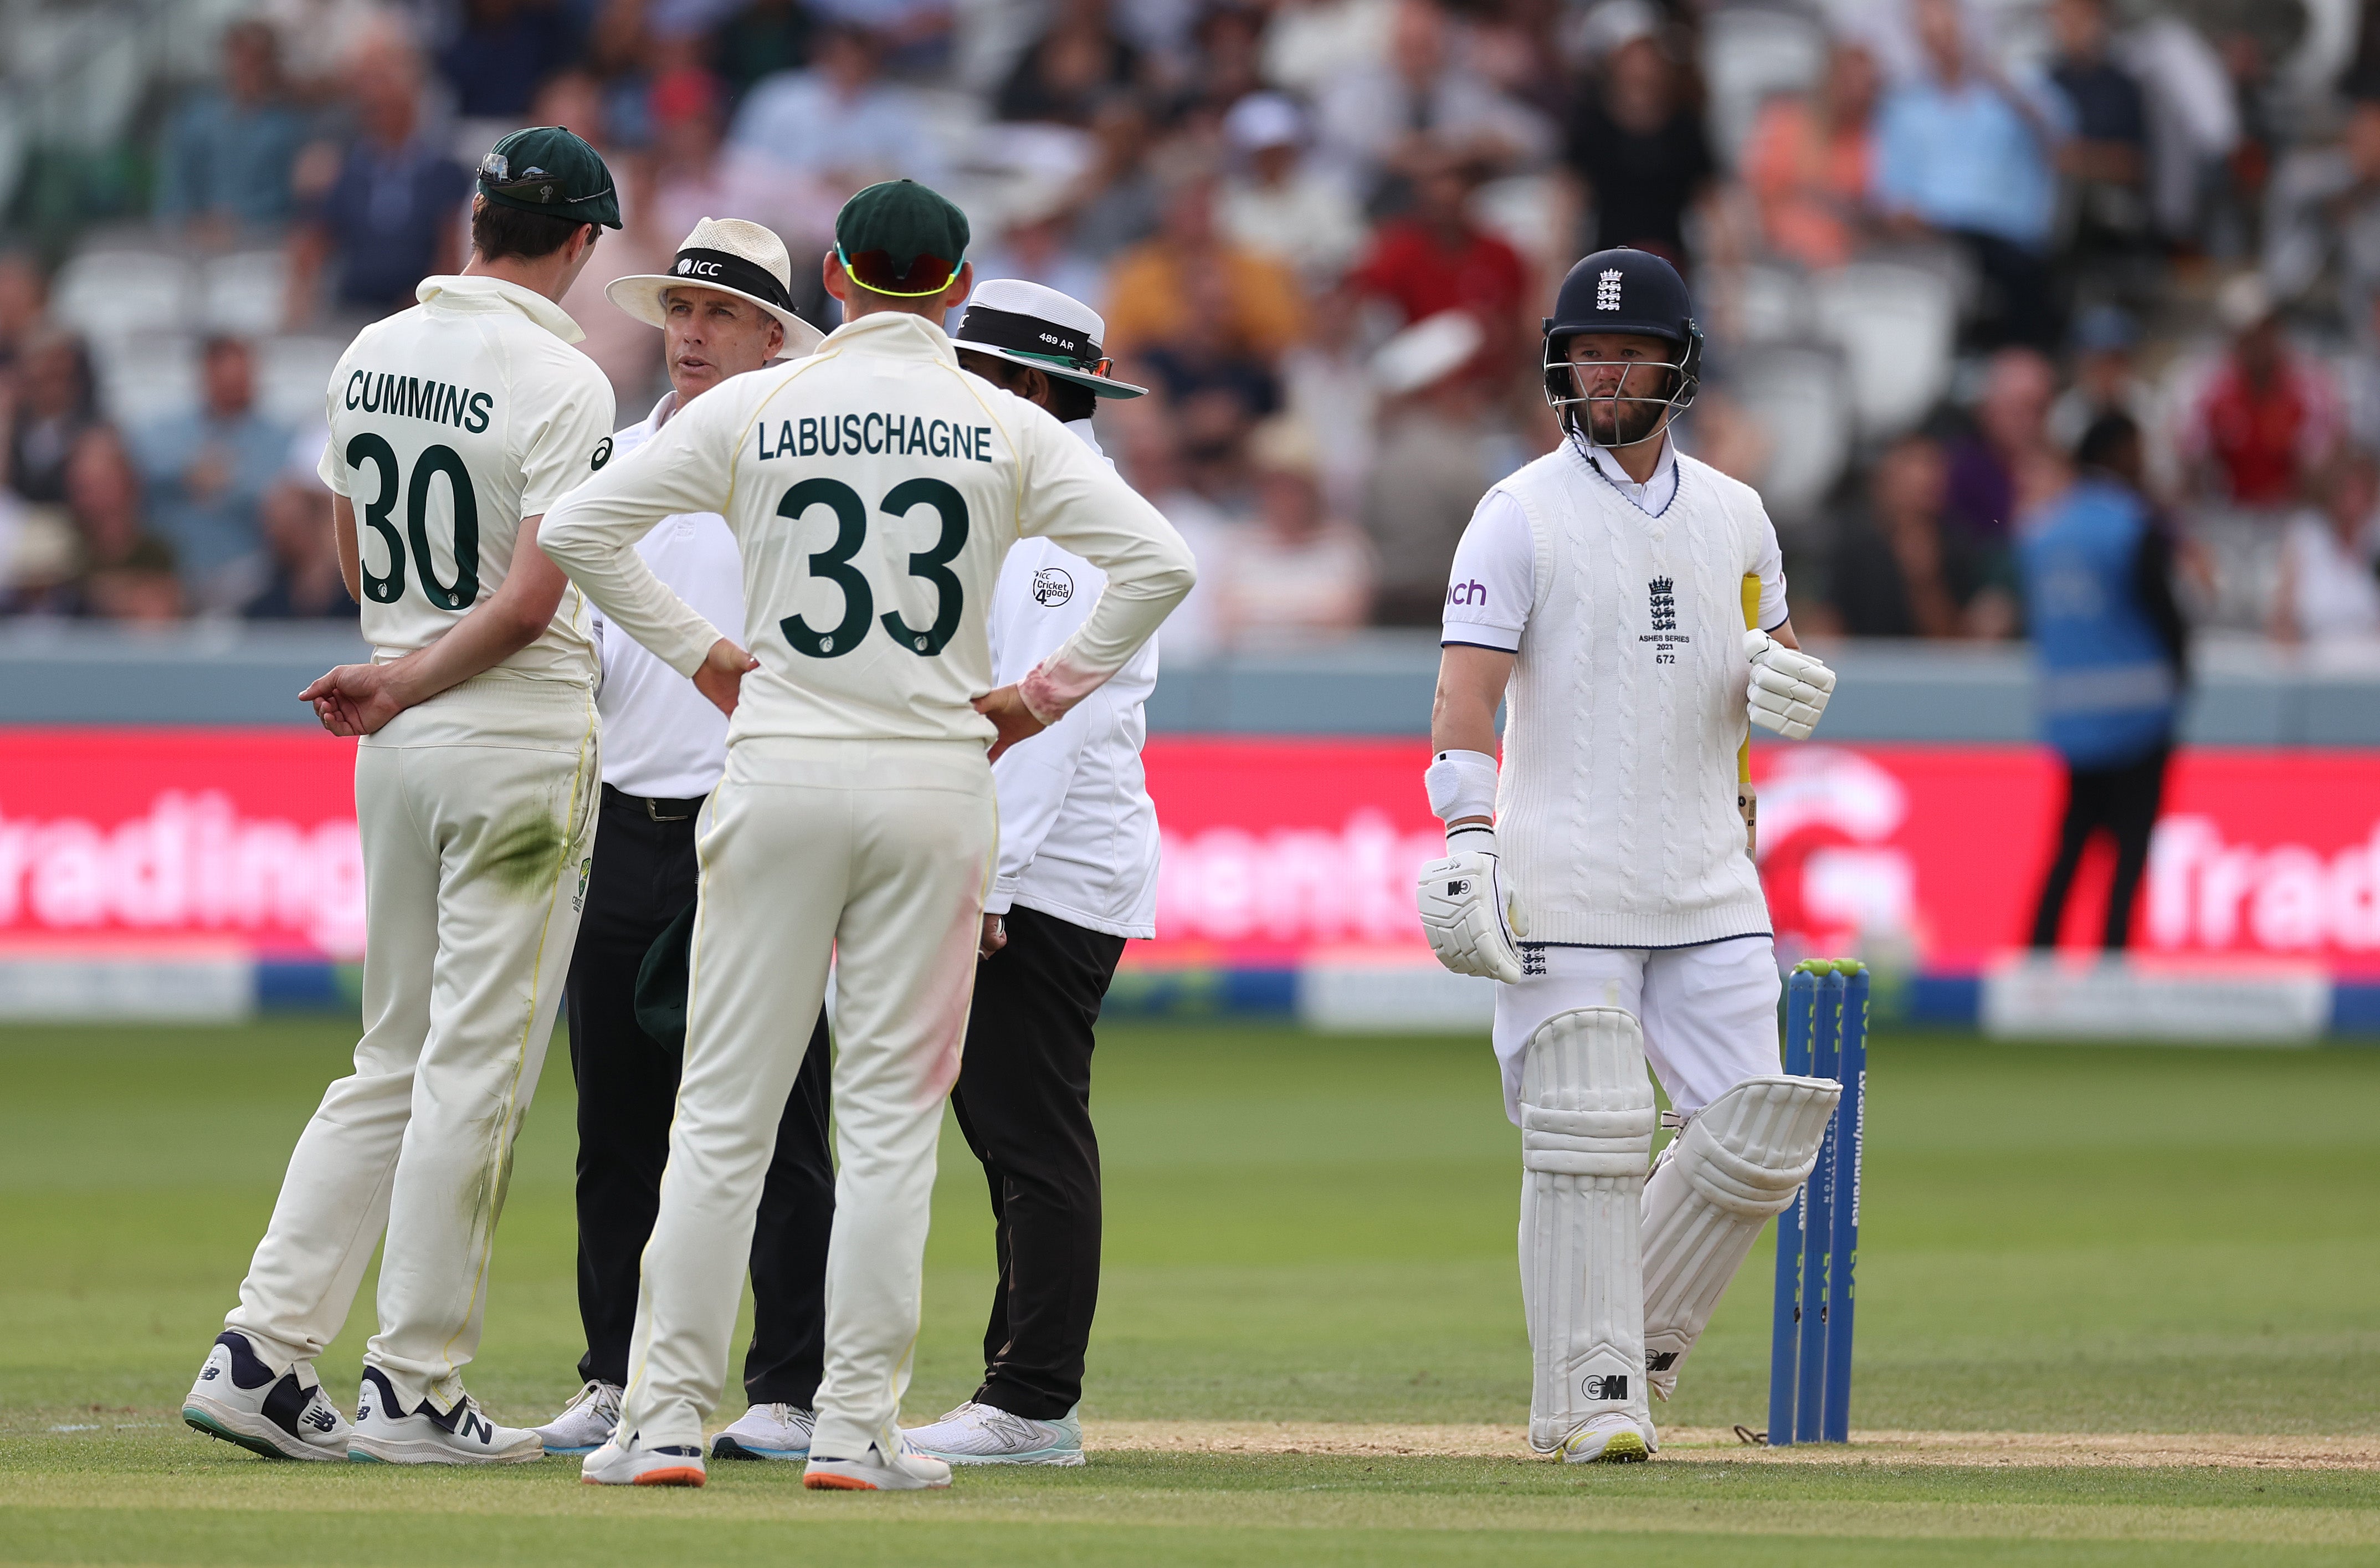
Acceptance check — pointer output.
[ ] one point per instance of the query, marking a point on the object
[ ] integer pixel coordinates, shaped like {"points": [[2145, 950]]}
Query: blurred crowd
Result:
{"points": [[1932, 241]]}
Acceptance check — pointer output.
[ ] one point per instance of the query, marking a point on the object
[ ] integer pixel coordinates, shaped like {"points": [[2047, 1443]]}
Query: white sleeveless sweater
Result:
{"points": [[1616, 806]]}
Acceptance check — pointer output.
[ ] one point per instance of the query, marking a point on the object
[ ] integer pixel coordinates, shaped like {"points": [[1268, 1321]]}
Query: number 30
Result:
{"points": [[369, 448]]}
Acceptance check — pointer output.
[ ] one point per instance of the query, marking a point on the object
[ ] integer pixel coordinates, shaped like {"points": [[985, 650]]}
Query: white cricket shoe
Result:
{"points": [[628, 1463], [586, 1423], [767, 1431], [1612, 1438], [873, 1472], [385, 1434], [238, 1399], [984, 1434]]}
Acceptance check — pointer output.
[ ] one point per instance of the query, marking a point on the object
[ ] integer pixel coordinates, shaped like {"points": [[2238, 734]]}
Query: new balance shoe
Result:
{"points": [[238, 1399], [387, 1433], [767, 1431], [984, 1434], [1612, 1438], [875, 1472], [625, 1462], [586, 1423]]}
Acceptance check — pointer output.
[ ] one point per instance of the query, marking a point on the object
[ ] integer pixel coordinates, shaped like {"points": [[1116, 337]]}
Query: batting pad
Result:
{"points": [[1586, 1131], [1736, 1163]]}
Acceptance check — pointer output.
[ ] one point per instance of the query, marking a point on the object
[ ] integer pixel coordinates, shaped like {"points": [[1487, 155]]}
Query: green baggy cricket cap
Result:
{"points": [[546, 169], [901, 238]]}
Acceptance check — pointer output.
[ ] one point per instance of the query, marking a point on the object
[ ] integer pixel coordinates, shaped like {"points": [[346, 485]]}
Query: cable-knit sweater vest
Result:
{"points": [[1616, 808]]}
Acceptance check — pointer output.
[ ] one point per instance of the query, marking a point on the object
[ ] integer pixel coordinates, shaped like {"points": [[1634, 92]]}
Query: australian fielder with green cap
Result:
{"points": [[454, 426], [873, 490]]}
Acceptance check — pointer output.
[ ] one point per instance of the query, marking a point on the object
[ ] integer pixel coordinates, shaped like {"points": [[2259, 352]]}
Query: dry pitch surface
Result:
{"points": [[2130, 1450], [2078, 1267]]}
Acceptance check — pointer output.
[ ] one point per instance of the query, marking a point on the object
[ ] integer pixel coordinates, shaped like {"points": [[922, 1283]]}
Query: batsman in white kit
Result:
{"points": [[454, 426], [1602, 876], [873, 490]]}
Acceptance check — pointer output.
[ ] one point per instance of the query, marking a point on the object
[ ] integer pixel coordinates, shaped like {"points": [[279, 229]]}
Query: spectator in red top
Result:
{"points": [[2266, 418], [1436, 257]]}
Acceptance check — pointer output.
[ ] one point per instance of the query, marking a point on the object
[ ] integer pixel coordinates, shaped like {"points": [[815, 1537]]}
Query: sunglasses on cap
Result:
{"points": [[877, 272], [534, 183]]}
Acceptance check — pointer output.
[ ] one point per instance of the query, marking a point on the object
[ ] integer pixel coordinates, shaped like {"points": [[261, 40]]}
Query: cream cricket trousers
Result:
{"points": [[878, 853], [476, 811]]}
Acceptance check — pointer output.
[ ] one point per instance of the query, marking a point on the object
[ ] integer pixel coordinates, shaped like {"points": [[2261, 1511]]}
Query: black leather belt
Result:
{"points": [[656, 810]]}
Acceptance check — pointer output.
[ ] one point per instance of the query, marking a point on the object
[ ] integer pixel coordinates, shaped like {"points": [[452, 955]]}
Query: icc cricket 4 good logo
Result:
{"points": [[1053, 587]]}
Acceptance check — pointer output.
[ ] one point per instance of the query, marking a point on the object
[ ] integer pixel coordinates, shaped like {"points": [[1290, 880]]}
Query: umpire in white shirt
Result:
{"points": [[1077, 875], [665, 747]]}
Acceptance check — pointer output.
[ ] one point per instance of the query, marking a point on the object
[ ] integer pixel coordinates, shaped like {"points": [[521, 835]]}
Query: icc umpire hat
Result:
{"points": [[732, 256], [546, 169]]}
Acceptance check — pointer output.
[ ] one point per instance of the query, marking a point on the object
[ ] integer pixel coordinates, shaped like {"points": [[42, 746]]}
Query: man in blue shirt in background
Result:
{"points": [[2114, 655], [393, 211], [1962, 150], [224, 162], [207, 472]]}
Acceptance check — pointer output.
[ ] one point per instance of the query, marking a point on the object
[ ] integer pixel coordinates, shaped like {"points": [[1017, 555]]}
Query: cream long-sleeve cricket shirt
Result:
{"points": [[873, 489], [450, 424]]}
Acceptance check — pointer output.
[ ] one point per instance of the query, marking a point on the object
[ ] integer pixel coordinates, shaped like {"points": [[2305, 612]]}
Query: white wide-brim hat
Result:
{"points": [[1056, 333], [1427, 352], [746, 259]]}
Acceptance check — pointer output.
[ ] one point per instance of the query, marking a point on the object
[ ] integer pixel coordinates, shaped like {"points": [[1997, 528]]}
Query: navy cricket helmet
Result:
{"points": [[1623, 291]]}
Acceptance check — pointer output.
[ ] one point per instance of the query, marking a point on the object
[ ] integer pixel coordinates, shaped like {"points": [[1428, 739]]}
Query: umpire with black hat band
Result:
{"points": [[1039, 329]]}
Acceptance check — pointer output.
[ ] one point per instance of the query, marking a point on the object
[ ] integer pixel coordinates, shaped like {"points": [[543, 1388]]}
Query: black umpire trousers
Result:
{"points": [[644, 874], [2124, 802], [1024, 1102]]}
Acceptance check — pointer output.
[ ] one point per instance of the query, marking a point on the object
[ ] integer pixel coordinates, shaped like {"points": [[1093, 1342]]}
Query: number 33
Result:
{"points": [[858, 600]]}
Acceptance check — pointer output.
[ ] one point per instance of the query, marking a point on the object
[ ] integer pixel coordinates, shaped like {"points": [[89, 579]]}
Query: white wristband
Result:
{"points": [[1461, 784], [1471, 838]]}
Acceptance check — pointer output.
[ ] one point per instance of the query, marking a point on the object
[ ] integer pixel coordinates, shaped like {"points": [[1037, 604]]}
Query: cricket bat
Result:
{"points": [[1747, 799]]}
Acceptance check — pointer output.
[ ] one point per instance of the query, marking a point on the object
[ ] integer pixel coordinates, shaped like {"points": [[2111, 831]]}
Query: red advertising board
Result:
{"points": [[1277, 847], [177, 835]]}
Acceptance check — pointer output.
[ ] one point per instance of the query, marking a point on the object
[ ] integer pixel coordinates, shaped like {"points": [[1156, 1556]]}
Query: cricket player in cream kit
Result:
{"points": [[1602, 874], [873, 490], [454, 426]]}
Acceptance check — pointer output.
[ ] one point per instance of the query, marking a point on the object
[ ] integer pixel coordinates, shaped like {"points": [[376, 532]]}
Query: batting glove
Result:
{"points": [[1788, 687], [1462, 903]]}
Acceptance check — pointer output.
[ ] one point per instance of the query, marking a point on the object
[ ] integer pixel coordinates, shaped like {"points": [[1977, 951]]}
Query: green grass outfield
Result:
{"points": [[1299, 1230]]}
